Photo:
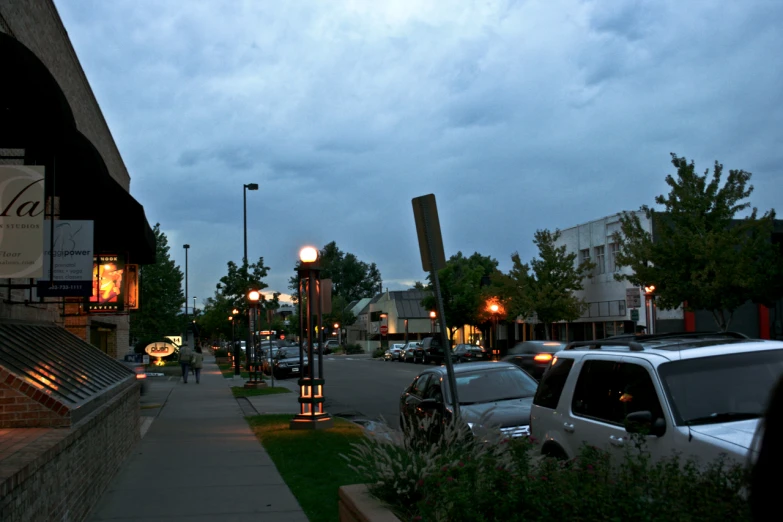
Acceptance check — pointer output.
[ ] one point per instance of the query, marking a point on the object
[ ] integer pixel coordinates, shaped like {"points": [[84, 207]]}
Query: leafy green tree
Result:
{"points": [[340, 313], [548, 283], [698, 253], [461, 290], [160, 294], [352, 278], [231, 293]]}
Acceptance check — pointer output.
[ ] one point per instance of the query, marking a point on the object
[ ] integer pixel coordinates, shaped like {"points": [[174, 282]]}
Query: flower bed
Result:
{"points": [[458, 478]]}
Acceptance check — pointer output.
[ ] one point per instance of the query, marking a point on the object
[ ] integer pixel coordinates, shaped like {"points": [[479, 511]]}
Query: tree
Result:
{"points": [[160, 294], [698, 254], [548, 284], [461, 291], [352, 279], [231, 293]]}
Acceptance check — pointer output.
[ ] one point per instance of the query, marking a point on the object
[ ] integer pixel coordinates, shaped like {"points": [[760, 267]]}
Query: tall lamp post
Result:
{"points": [[235, 345], [252, 361], [186, 247], [649, 308], [194, 306], [245, 188], [433, 315], [494, 308], [312, 415], [231, 319], [339, 333]]}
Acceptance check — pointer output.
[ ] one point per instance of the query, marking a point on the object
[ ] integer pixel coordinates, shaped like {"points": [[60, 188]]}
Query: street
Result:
{"points": [[366, 388]]}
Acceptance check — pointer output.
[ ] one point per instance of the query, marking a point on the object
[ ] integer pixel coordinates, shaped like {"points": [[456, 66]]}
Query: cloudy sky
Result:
{"points": [[517, 115]]}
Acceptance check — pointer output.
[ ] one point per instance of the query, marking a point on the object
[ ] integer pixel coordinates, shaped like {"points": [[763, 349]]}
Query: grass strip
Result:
{"points": [[238, 391], [309, 461], [228, 372]]}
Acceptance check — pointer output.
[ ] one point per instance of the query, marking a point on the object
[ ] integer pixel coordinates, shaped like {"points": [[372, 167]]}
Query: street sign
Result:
{"points": [[635, 315], [176, 339], [632, 298], [384, 329], [425, 213]]}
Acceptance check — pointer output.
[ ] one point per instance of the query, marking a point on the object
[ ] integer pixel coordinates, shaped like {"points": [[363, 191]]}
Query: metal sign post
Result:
{"points": [[433, 258]]}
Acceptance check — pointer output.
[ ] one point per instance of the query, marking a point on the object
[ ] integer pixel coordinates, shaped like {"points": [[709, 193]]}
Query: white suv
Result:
{"points": [[699, 395]]}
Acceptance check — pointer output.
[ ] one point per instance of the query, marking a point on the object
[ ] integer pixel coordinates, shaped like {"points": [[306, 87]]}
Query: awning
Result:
{"points": [[32, 104], [86, 190]]}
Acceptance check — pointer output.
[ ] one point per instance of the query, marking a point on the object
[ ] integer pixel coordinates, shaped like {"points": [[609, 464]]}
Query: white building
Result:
{"points": [[607, 313]]}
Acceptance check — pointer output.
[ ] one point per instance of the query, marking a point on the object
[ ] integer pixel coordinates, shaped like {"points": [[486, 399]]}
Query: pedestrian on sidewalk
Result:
{"points": [[185, 358], [198, 363]]}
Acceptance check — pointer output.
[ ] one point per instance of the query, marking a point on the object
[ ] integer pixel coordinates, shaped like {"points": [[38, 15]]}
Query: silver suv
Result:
{"points": [[700, 395]]}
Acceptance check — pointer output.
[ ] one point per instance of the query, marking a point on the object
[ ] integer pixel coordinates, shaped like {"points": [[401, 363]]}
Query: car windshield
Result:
{"points": [[721, 388], [494, 385]]}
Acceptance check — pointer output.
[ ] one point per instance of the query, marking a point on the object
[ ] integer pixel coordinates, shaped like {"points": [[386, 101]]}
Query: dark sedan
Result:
{"points": [[285, 362], [534, 356], [500, 390], [470, 352]]}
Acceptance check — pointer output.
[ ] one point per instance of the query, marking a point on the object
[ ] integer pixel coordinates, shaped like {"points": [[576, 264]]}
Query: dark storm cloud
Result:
{"points": [[517, 115]]}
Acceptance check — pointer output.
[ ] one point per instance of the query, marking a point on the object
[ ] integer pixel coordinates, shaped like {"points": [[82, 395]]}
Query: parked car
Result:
{"points": [[433, 351], [395, 352], [285, 362], [470, 352], [413, 353], [499, 393], [534, 356], [699, 395]]}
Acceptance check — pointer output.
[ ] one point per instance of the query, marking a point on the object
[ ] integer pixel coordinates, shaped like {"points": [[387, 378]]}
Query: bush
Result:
{"points": [[458, 478], [221, 352], [379, 352], [353, 349]]}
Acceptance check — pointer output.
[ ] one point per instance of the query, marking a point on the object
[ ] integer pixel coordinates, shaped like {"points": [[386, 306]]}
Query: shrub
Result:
{"points": [[353, 349], [221, 352], [466, 477], [379, 352]]}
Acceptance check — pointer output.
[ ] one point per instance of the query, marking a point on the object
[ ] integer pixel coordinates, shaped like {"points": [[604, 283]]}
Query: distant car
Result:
{"points": [[286, 362], [413, 353], [470, 352], [395, 352], [141, 374], [433, 351], [534, 356]]}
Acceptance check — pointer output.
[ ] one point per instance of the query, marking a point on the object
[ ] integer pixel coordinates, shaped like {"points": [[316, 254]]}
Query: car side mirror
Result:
{"points": [[642, 422]]}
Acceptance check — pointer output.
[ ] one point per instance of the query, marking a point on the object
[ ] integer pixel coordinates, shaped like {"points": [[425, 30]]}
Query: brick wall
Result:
{"points": [[62, 474], [18, 410]]}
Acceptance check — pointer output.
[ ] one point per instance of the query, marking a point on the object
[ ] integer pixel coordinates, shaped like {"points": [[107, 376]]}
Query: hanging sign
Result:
{"points": [[21, 221], [160, 349], [70, 253], [131, 287], [107, 284]]}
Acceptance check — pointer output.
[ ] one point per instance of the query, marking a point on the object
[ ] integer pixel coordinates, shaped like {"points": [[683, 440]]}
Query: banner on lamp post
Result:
{"points": [[21, 221]]}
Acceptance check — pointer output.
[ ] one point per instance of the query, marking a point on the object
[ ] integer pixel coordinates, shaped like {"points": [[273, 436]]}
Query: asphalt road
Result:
{"points": [[367, 388]]}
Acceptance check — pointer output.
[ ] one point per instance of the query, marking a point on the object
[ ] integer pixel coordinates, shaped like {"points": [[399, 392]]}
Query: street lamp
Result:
{"points": [[649, 308], [383, 317], [231, 319], [194, 306], [245, 188], [186, 247], [311, 414], [237, 355], [339, 333], [494, 308], [252, 361], [433, 315]]}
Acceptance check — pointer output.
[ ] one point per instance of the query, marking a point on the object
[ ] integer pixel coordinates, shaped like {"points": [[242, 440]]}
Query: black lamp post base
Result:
{"points": [[312, 422]]}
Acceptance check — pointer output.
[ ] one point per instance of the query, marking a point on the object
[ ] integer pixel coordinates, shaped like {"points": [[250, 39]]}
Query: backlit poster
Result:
{"points": [[107, 284]]}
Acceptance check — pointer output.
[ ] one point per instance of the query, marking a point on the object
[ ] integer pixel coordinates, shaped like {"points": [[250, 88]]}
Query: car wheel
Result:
{"points": [[554, 451]]}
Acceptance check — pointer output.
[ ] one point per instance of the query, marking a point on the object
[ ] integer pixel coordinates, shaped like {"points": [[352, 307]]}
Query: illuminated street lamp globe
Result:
{"points": [[254, 295], [308, 254], [494, 308]]}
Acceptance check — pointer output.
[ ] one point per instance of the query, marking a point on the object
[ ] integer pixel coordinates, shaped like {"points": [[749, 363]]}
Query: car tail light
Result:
{"points": [[543, 357], [141, 375]]}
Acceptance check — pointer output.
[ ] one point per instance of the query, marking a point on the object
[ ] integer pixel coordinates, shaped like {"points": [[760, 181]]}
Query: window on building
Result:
{"points": [[600, 262], [584, 255], [613, 249]]}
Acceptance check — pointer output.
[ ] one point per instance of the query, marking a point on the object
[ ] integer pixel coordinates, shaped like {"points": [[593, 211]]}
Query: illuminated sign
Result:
{"points": [[176, 339], [160, 349], [131, 287], [107, 284]]}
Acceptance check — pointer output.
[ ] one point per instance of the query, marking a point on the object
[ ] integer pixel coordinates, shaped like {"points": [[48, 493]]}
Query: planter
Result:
{"points": [[357, 505]]}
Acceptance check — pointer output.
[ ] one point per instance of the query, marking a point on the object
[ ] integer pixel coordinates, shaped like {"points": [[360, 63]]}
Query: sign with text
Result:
{"points": [[71, 256], [107, 284], [176, 339], [21, 221], [160, 349], [632, 298]]}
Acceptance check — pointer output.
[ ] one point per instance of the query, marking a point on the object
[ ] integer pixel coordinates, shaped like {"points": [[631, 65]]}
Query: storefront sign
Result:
{"points": [[176, 339], [107, 284], [131, 287], [21, 221], [160, 349], [72, 259]]}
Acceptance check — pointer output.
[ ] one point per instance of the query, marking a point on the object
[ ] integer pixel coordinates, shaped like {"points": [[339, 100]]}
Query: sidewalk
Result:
{"points": [[199, 462]]}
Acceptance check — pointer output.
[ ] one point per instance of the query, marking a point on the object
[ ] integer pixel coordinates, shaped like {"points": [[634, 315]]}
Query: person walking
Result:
{"points": [[198, 363], [185, 358]]}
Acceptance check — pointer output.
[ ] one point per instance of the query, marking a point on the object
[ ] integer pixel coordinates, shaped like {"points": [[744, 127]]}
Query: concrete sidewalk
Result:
{"points": [[200, 461]]}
